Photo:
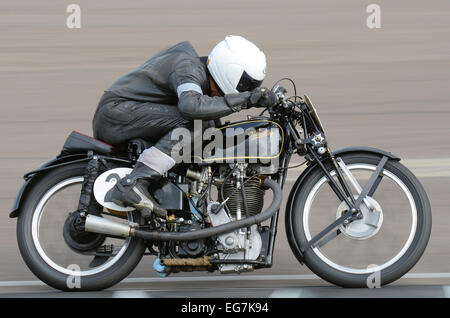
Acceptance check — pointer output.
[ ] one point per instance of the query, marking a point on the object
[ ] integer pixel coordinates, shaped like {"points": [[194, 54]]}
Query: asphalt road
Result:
{"points": [[386, 88]]}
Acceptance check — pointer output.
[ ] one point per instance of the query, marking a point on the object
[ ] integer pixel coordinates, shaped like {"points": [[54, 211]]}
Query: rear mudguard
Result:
{"points": [[296, 249], [33, 176]]}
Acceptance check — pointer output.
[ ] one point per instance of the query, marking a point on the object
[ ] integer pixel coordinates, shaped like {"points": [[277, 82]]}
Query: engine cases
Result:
{"points": [[236, 244]]}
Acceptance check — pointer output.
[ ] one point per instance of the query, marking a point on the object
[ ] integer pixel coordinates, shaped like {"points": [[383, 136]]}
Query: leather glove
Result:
{"points": [[255, 96], [262, 97], [259, 97], [268, 98]]}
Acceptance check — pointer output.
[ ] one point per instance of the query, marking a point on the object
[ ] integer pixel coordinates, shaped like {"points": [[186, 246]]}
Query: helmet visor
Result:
{"points": [[247, 83]]}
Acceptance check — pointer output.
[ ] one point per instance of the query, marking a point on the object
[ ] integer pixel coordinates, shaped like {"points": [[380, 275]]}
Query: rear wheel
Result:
{"points": [[92, 261], [381, 246]]}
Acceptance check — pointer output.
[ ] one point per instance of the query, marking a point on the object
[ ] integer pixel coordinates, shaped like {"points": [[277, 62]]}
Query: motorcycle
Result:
{"points": [[351, 214]]}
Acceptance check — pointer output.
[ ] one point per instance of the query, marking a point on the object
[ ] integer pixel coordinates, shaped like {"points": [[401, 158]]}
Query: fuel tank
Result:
{"points": [[255, 140]]}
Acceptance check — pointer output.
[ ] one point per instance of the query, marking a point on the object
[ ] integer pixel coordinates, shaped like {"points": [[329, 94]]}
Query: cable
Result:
{"points": [[295, 91], [294, 96], [287, 79], [208, 188], [291, 167], [263, 112]]}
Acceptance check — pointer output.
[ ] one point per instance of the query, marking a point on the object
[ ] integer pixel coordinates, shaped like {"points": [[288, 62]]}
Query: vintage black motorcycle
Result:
{"points": [[352, 213]]}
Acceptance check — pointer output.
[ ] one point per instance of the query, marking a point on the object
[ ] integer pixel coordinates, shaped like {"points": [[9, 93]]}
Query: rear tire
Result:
{"points": [[391, 272], [98, 281]]}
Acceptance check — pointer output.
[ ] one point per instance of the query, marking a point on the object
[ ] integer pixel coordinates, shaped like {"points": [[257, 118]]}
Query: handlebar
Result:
{"points": [[280, 91]]}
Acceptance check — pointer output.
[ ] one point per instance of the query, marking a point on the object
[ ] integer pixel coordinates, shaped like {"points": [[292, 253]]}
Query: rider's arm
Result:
{"points": [[195, 105], [187, 80]]}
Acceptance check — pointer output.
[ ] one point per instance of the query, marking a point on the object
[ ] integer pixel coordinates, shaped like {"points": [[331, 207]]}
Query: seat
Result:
{"points": [[80, 143]]}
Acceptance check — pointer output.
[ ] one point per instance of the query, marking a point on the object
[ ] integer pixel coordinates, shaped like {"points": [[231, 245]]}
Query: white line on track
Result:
{"points": [[446, 290], [27, 283], [287, 293], [130, 294]]}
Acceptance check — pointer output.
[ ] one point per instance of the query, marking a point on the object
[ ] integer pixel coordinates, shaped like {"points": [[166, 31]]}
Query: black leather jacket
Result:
{"points": [[161, 78]]}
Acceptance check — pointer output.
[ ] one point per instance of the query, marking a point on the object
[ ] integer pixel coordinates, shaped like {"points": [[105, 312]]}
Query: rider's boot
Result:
{"points": [[132, 190]]}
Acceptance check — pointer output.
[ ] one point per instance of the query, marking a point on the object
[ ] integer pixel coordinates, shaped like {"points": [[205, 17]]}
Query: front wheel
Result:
{"points": [[380, 246], [89, 261]]}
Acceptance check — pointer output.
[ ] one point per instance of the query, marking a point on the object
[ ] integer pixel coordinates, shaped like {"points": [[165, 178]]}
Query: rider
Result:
{"points": [[170, 90]]}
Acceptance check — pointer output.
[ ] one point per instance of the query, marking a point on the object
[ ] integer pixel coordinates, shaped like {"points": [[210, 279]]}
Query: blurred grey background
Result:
{"points": [[387, 87]]}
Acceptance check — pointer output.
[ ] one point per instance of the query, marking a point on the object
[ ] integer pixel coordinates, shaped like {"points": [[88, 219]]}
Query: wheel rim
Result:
{"points": [[307, 211], [37, 216]]}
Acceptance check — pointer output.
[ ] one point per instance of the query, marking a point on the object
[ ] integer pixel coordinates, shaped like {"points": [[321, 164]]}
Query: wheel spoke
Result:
{"points": [[355, 182], [375, 185], [369, 185], [327, 238], [329, 228]]}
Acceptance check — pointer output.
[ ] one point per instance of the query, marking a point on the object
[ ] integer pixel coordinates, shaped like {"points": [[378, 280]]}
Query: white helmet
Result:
{"points": [[237, 65]]}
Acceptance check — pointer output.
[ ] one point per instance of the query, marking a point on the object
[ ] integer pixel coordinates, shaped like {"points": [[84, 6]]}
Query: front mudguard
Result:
{"points": [[295, 247], [33, 176]]}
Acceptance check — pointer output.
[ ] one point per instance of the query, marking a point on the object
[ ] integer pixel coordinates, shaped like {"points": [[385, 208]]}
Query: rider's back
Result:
{"points": [[155, 80]]}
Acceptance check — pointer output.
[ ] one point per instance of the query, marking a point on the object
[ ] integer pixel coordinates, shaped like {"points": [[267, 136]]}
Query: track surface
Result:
{"points": [[387, 88]]}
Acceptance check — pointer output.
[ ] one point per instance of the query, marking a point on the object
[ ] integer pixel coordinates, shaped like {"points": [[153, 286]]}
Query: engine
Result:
{"points": [[239, 189], [254, 194], [240, 193], [243, 244]]}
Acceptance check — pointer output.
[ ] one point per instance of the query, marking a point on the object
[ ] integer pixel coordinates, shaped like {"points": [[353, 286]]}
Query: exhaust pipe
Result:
{"points": [[101, 225]]}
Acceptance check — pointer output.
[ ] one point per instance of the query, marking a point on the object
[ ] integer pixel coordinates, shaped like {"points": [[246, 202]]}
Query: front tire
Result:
{"points": [[34, 255], [346, 275]]}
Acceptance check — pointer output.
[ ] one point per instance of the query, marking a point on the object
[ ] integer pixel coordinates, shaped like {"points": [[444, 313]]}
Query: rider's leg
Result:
{"points": [[133, 189], [116, 122], [151, 165]]}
